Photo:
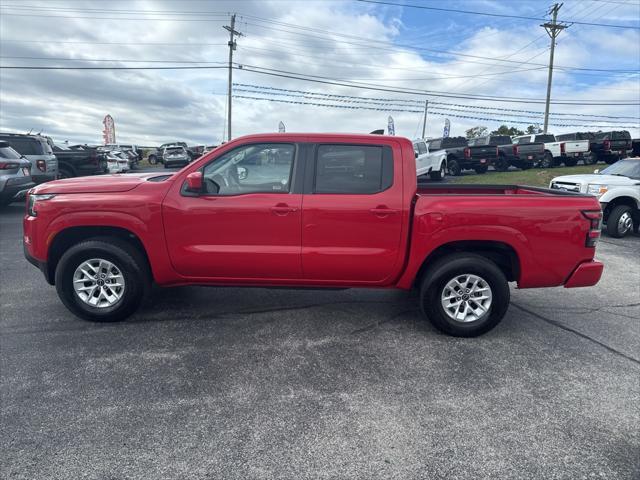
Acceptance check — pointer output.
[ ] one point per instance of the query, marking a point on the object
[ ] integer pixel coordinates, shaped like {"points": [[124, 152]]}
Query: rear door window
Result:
{"points": [[353, 169], [545, 138]]}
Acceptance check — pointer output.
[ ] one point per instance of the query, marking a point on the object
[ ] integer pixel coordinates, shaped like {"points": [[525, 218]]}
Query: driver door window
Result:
{"points": [[259, 168]]}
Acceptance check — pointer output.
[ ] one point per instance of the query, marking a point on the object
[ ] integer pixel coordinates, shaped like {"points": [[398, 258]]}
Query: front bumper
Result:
{"points": [[586, 274], [42, 266]]}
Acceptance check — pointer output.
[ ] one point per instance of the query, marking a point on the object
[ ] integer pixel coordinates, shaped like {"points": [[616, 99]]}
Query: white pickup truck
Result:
{"points": [[618, 190], [432, 163], [556, 153], [577, 147]]}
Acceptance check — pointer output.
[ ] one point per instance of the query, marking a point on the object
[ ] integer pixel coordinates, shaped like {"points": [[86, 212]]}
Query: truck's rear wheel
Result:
{"points": [[570, 162], [102, 280], [440, 174], [590, 159], [464, 295], [152, 159], [501, 164], [481, 170], [547, 161], [620, 221]]}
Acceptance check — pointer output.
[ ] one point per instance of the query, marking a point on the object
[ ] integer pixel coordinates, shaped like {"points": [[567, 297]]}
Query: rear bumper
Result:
{"points": [[16, 191], [586, 275]]}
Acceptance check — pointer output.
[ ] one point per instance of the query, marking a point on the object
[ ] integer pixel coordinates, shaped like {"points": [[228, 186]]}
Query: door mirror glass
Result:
{"points": [[194, 182], [243, 173]]}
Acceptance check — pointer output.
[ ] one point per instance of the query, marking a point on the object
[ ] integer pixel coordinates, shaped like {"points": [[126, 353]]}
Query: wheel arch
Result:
{"points": [[502, 254], [70, 236], [621, 200]]}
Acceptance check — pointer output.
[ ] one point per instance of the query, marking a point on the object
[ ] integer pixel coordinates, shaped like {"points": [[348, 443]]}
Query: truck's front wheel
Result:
{"points": [[102, 280], [464, 295]]}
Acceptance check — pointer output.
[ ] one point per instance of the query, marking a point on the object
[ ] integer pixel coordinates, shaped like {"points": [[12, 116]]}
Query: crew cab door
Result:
{"points": [[352, 221], [245, 224]]}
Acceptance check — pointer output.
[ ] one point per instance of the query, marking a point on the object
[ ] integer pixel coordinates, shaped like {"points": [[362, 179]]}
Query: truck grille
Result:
{"points": [[566, 186]]}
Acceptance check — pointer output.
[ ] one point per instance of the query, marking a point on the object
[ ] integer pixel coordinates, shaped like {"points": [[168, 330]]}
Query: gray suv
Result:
{"points": [[36, 149], [15, 175]]}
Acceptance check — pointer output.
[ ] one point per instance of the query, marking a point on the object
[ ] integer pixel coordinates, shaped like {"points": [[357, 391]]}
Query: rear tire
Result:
{"points": [[464, 268], [128, 263], [610, 160], [65, 173], [570, 162], [590, 159], [547, 161], [501, 164], [454, 168], [152, 159], [620, 221], [481, 170], [440, 174]]}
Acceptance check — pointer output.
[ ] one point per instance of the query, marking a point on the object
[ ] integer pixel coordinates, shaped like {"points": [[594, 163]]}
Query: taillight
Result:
{"points": [[497, 152], [595, 220], [516, 150], [8, 165], [42, 165], [562, 149], [607, 144], [467, 152]]}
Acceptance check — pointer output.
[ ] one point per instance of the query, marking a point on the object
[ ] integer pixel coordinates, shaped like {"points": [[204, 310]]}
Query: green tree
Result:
{"points": [[533, 129], [506, 130], [476, 132]]}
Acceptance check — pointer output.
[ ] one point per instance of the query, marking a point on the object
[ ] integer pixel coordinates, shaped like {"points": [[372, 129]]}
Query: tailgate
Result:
{"points": [[487, 152], [576, 146]]}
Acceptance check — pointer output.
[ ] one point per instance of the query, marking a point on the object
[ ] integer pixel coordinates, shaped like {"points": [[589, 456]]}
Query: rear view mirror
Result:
{"points": [[194, 182], [416, 153]]}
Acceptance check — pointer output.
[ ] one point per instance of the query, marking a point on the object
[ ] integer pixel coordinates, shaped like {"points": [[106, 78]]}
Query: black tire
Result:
{"points": [[454, 167], [166, 166], [152, 159], [590, 159], [617, 226], [570, 162], [547, 161], [526, 165], [611, 159], [501, 164], [129, 261], [440, 174], [481, 170], [445, 270], [65, 173]]}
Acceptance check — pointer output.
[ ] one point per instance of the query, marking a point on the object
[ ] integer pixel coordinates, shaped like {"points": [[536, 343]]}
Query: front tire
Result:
{"points": [[454, 168], [464, 295], [620, 221], [102, 279]]}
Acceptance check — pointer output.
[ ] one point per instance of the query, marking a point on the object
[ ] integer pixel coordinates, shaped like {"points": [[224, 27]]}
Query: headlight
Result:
{"points": [[597, 190], [33, 201]]}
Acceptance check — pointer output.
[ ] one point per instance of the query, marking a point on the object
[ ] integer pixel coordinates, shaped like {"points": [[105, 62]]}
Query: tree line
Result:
{"points": [[481, 131]]}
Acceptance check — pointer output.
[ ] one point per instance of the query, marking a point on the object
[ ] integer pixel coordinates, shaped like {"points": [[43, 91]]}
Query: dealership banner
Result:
{"points": [[447, 128], [109, 132], [391, 128]]}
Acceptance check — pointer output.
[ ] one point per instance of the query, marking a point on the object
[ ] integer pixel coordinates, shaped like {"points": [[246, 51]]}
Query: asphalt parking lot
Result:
{"points": [[256, 383]]}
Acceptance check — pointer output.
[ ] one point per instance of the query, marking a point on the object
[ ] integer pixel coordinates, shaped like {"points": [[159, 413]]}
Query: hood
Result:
{"points": [[597, 179], [97, 184]]}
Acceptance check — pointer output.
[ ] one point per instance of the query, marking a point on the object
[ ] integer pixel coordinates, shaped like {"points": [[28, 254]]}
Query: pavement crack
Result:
{"points": [[560, 325]]}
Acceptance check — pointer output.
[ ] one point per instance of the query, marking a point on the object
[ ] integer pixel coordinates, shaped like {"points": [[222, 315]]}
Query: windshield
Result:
{"points": [[626, 168]]}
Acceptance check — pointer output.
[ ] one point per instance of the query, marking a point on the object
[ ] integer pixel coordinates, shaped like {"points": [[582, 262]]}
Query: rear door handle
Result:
{"points": [[382, 211], [283, 209]]}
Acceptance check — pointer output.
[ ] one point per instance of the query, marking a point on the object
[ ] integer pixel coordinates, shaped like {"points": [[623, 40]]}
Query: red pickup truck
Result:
{"points": [[309, 210]]}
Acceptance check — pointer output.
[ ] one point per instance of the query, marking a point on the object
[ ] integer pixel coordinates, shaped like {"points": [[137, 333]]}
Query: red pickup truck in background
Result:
{"points": [[309, 210]]}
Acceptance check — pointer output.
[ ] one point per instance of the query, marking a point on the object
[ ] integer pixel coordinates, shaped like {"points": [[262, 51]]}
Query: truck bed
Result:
{"points": [[430, 189]]}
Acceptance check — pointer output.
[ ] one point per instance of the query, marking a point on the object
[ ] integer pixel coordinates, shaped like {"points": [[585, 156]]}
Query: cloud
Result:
{"points": [[153, 106]]}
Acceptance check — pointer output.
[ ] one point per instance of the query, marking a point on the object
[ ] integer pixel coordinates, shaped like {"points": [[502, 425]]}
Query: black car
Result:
{"points": [[611, 146], [78, 162], [522, 156]]}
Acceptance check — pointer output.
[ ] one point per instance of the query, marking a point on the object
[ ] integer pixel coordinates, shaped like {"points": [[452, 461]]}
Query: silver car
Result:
{"points": [[36, 149], [15, 175]]}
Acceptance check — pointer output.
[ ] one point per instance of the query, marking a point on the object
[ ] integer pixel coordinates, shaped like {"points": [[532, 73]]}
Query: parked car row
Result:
{"points": [[532, 150]]}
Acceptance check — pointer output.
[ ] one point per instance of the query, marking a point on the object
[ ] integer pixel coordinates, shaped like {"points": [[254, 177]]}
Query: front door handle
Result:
{"points": [[382, 211], [283, 209]]}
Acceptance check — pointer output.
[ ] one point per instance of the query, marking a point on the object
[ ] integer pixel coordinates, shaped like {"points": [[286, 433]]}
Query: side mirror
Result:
{"points": [[194, 182], [416, 154], [243, 173], [597, 170]]}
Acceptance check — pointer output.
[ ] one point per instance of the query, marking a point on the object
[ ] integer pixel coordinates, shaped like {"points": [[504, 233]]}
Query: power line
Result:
{"points": [[444, 114], [521, 17]]}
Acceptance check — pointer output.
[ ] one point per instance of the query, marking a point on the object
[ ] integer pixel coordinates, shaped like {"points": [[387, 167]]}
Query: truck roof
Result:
{"points": [[364, 137]]}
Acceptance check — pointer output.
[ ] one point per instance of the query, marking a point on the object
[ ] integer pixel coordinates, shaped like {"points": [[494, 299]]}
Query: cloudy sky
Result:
{"points": [[451, 55]]}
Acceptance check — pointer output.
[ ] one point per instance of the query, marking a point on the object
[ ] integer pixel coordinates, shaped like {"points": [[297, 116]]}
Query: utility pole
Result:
{"points": [[553, 30], [232, 47], [424, 121]]}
